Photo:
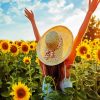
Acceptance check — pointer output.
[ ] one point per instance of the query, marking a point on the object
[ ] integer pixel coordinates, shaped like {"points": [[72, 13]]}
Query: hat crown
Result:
{"points": [[52, 40]]}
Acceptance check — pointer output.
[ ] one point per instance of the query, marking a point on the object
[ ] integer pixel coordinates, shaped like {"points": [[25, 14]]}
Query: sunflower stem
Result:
{"points": [[30, 78]]}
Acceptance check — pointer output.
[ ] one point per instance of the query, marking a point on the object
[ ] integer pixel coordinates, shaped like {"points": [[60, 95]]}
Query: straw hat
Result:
{"points": [[55, 45]]}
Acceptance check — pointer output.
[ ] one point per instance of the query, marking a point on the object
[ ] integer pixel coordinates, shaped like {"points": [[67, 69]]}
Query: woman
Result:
{"points": [[58, 72]]}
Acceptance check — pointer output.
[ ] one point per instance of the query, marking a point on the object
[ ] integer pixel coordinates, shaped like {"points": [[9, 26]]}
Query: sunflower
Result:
{"points": [[95, 43], [20, 92], [37, 61], [86, 41], [96, 54], [24, 48], [14, 49], [5, 46], [88, 56], [1, 41], [83, 49], [11, 42], [27, 60], [18, 43], [33, 45]]}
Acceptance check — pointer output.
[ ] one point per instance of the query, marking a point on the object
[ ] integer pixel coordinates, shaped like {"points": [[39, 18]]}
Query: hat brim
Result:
{"points": [[67, 38]]}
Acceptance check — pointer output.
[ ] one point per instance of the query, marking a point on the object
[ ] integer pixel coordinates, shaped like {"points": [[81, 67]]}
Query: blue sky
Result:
{"points": [[48, 13]]}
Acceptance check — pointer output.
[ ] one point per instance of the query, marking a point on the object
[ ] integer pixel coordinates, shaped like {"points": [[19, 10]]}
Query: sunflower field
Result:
{"points": [[20, 69], [21, 76]]}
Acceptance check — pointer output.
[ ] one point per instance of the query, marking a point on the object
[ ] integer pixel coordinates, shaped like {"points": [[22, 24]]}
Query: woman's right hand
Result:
{"points": [[93, 5], [29, 14]]}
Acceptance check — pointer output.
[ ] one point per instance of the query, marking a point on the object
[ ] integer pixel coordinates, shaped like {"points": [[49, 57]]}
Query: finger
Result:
{"points": [[27, 11], [26, 15], [32, 12], [89, 3]]}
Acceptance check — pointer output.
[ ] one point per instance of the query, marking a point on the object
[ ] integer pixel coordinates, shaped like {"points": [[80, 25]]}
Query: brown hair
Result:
{"points": [[57, 73]]}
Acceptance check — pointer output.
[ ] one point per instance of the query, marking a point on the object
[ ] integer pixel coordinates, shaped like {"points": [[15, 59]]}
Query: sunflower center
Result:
{"points": [[27, 61], [10, 63], [13, 49], [25, 48], [21, 93], [88, 56], [83, 50], [11, 42], [19, 43], [31, 46], [5, 46], [99, 54], [93, 43]]}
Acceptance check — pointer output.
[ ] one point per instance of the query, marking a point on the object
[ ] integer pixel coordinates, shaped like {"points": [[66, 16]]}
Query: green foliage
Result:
{"points": [[14, 70], [50, 80], [85, 76]]}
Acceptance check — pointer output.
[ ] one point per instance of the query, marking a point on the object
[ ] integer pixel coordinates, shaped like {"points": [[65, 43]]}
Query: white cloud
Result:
{"points": [[69, 7], [1, 13], [38, 5], [74, 22], [58, 10], [14, 10], [85, 4], [56, 18], [5, 19], [32, 5], [55, 7], [97, 12], [57, 3], [40, 23], [21, 4], [8, 19], [17, 32], [5, 1]]}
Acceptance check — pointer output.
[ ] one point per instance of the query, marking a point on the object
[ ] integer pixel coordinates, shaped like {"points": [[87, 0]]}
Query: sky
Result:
{"points": [[48, 13]]}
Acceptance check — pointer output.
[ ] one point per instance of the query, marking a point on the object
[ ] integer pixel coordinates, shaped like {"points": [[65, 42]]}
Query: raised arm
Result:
{"points": [[92, 6], [30, 16]]}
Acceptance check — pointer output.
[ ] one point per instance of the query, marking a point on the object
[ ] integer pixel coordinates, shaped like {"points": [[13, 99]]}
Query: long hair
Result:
{"points": [[57, 73]]}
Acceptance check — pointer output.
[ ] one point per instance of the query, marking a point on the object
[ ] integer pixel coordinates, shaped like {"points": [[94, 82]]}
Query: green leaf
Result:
{"points": [[5, 94], [69, 91], [89, 82], [36, 97], [53, 96], [0, 83], [93, 95], [34, 85], [82, 95]]}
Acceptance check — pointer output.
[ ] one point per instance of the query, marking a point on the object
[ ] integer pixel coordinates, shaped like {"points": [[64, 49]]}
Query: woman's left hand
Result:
{"points": [[29, 14]]}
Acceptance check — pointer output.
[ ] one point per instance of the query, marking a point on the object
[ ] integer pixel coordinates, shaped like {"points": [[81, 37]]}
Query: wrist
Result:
{"points": [[32, 20]]}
